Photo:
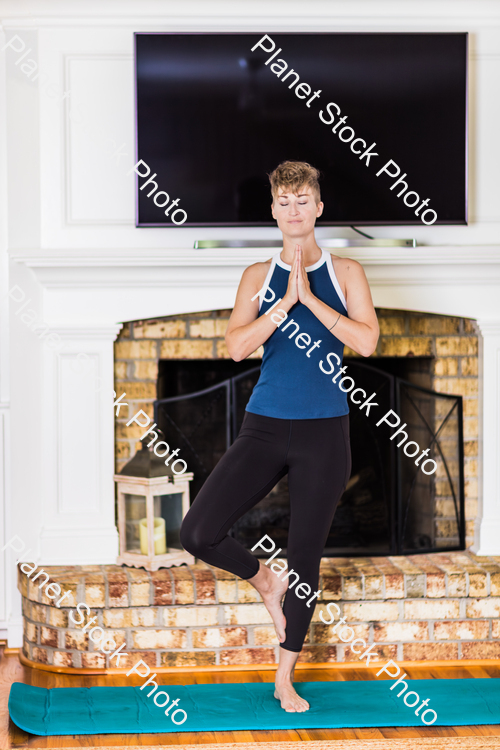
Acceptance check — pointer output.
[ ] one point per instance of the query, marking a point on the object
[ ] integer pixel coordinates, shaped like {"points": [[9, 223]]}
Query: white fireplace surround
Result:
{"points": [[87, 295], [68, 240]]}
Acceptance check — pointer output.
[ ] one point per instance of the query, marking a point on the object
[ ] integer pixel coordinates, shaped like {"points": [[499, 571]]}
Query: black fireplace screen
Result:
{"points": [[389, 507]]}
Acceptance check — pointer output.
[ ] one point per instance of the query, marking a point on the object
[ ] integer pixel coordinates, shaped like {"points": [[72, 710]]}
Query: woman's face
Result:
{"points": [[296, 213]]}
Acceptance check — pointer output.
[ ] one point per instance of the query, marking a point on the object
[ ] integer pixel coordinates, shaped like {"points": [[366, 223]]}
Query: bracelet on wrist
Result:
{"points": [[333, 326]]}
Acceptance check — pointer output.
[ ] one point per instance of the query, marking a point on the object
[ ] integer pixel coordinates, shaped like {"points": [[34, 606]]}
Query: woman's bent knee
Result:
{"points": [[193, 537]]}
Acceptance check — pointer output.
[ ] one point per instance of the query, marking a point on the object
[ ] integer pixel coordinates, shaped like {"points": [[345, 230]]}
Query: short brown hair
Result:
{"points": [[292, 175]]}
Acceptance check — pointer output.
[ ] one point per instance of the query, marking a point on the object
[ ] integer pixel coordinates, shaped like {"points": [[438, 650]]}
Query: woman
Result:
{"points": [[296, 421]]}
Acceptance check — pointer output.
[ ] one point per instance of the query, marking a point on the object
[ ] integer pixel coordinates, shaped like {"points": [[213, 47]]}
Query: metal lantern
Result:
{"points": [[152, 501]]}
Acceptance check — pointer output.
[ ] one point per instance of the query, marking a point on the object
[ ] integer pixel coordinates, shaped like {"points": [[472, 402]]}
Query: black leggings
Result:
{"points": [[316, 454]]}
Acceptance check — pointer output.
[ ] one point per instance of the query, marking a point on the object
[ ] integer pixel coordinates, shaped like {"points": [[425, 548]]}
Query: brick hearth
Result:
{"points": [[422, 607]]}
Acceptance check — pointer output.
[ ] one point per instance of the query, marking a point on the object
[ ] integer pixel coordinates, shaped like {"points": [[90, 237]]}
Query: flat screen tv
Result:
{"points": [[217, 112]]}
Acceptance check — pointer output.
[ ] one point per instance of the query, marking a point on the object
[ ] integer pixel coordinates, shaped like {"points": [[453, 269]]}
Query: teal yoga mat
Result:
{"points": [[230, 706]]}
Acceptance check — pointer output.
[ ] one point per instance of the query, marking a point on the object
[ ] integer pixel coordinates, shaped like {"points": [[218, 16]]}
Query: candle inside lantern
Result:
{"points": [[160, 536]]}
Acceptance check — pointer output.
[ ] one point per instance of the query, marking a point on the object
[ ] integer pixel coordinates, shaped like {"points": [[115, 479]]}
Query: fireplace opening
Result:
{"points": [[389, 505]]}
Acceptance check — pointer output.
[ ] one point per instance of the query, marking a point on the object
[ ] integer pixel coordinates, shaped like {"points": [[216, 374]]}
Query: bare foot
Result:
{"points": [[272, 590], [290, 700], [272, 600]]}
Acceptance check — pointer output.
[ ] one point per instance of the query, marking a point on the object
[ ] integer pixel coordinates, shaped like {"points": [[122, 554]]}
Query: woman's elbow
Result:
{"points": [[235, 352], [369, 346]]}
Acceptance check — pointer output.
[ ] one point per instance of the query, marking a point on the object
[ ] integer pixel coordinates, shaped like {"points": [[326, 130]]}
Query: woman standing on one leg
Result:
{"points": [[297, 419]]}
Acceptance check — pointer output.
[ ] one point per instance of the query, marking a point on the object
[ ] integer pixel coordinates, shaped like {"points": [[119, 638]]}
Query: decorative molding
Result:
{"points": [[57, 545], [104, 332], [69, 221], [444, 266], [489, 327], [276, 14], [470, 255], [71, 496], [489, 535]]}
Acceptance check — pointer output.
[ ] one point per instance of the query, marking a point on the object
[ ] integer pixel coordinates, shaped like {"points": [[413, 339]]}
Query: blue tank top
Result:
{"points": [[291, 384]]}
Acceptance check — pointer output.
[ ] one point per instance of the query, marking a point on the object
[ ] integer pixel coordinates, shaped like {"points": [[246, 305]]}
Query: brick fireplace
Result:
{"points": [[164, 294], [450, 342], [421, 607]]}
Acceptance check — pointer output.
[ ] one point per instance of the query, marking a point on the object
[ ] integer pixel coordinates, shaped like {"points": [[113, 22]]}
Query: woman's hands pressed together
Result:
{"points": [[305, 293], [298, 289]]}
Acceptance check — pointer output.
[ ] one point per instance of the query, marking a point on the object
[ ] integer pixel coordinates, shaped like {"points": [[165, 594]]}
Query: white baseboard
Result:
{"points": [[97, 546], [489, 536], [15, 633]]}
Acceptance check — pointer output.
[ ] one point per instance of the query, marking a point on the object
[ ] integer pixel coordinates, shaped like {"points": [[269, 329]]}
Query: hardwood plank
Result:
{"points": [[478, 672], [276, 735], [449, 674], [244, 736], [493, 671], [465, 731], [401, 732], [488, 730], [318, 735], [18, 738], [369, 733], [359, 675], [421, 673]]}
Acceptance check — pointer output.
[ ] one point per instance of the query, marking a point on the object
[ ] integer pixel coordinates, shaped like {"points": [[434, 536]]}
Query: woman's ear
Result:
{"points": [[319, 209]]}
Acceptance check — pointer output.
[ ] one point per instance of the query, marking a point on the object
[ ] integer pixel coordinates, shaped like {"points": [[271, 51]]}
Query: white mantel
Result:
{"points": [[449, 280], [68, 240]]}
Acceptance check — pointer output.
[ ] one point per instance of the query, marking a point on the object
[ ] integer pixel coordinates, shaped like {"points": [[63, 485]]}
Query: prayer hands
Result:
{"points": [[292, 292], [298, 289], [304, 290]]}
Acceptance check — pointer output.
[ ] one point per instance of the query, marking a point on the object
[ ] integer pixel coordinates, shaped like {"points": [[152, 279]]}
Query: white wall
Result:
{"points": [[67, 224], [86, 48], [5, 579]]}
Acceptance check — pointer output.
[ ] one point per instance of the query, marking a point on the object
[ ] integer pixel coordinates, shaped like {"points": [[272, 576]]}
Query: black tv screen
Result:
{"points": [[217, 112]]}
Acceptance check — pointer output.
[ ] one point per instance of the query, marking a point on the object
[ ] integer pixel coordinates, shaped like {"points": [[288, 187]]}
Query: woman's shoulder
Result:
{"points": [[253, 279], [346, 268], [350, 274], [257, 272], [344, 262]]}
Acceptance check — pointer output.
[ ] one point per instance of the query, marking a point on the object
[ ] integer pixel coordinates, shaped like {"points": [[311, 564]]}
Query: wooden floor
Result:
{"points": [[12, 737]]}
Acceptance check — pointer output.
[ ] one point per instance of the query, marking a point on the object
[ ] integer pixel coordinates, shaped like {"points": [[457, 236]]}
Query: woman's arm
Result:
{"points": [[359, 331], [245, 330]]}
